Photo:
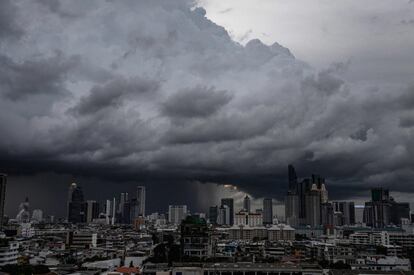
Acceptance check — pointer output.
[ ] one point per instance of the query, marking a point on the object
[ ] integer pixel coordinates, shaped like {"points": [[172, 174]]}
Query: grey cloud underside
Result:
{"points": [[153, 90]]}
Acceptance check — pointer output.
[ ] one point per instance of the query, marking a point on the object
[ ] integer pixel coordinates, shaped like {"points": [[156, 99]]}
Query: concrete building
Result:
{"points": [[195, 238], [280, 232], [8, 252], [250, 219], [177, 213]]}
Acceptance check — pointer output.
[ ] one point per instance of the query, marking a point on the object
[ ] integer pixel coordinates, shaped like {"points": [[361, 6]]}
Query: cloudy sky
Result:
{"points": [[186, 96]]}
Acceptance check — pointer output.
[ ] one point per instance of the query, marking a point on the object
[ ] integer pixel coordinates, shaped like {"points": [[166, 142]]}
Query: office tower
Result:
{"points": [[246, 204], [213, 214], [292, 209], [292, 178], [383, 210], [267, 211], [379, 194], [126, 213], [348, 211], [224, 215], [37, 215], [122, 199], [304, 188], [177, 213], [3, 183], [141, 200], [76, 205], [92, 211], [313, 207], [327, 215], [359, 214], [229, 202]]}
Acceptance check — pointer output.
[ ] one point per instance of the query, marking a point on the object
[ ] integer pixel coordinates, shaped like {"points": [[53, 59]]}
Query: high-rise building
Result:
{"points": [[126, 213], [122, 199], [247, 204], [267, 211], [3, 183], [223, 215], [292, 179], [229, 202], [108, 211], [76, 205], [383, 210], [92, 211], [327, 215], [213, 214], [348, 211], [177, 213], [313, 207], [141, 201], [292, 209]]}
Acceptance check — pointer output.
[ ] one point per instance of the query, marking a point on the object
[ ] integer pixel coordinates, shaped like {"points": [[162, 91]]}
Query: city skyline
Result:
{"points": [[185, 105]]}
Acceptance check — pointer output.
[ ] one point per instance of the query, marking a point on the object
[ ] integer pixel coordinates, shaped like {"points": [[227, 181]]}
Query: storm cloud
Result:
{"points": [[153, 91]]}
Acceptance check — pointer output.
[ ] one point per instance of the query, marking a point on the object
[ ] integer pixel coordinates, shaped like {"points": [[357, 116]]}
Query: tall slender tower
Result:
{"points": [[141, 201], [293, 179], [247, 204], [267, 211], [3, 183]]}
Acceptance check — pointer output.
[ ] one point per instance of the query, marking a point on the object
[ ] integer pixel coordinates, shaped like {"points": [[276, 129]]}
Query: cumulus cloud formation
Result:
{"points": [[154, 88]]}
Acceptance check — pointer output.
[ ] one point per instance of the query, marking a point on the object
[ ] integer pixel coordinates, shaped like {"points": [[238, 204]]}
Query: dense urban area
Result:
{"points": [[317, 236]]}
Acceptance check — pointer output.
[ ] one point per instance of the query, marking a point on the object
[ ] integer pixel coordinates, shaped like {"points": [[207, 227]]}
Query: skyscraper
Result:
{"points": [[292, 209], [313, 207], [213, 214], [229, 202], [348, 211], [92, 211], [223, 215], [247, 204], [292, 178], [383, 210], [76, 205], [141, 201], [3, 183], [267, 211]]}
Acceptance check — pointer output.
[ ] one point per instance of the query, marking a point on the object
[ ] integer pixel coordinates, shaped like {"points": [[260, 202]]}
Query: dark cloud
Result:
{"points": [[195, 102], [9, 26], [153, 92], [112, 94], [33, 77]]}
